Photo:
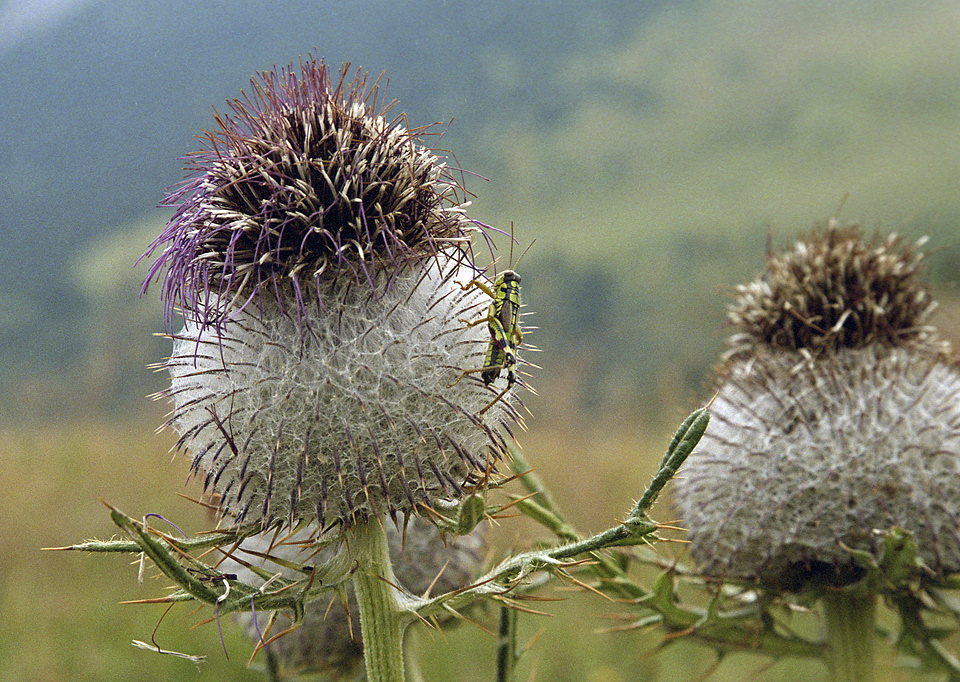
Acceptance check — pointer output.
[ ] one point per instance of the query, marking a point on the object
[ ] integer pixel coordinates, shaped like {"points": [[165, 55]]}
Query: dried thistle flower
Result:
{"points": [[837, 415], [320, 258], [304, 185], [834, 290]]}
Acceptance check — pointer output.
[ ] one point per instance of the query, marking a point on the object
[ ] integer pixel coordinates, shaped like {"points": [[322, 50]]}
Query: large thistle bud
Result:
{"points": [[837, 416], [320, 257]]}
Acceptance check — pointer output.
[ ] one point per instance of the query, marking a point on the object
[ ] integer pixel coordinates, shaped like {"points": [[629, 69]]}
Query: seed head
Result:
{"points": [[829, 424]]}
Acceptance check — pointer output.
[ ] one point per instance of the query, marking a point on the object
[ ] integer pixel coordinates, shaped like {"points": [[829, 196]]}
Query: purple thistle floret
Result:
{"points": [[300, 185]]}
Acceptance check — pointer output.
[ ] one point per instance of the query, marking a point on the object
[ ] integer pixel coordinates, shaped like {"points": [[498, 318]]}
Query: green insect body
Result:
{"points": [[503, 322]]}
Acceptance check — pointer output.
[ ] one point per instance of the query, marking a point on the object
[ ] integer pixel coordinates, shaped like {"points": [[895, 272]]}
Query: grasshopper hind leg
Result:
{"points": [[509, 364], [495, 400]]}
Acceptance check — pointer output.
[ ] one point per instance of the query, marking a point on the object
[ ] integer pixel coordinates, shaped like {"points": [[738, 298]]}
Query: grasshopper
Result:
{"points": [[503, 322]]}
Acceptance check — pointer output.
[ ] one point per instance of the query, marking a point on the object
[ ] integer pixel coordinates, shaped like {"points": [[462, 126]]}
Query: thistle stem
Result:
{"points": [[381, 606], [850, 616]]}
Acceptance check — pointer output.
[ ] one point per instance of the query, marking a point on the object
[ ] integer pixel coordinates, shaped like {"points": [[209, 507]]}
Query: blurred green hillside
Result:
{"points": [[651, 192], [721, 121], [719, 118]]}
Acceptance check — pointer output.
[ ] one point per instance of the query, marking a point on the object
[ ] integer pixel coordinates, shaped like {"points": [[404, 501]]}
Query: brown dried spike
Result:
{"points": [[835, 290]]}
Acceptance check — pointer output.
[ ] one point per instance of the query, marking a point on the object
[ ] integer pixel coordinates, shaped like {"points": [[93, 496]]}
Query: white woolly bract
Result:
{"points": [[804, 458], [349, 411]]}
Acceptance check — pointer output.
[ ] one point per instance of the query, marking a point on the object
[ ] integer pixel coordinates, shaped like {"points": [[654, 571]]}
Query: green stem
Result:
{"points": [[850, 617], [382, 610], [507, 647]]}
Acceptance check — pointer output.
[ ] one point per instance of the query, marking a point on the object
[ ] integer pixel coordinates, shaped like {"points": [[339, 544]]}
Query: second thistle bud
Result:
{"points": [[837, 416]]}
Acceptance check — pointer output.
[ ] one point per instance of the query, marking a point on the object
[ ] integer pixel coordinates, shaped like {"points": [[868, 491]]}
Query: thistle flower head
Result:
{"points": [[302, 185], [834, 290], [323, 270], [837, 417]]}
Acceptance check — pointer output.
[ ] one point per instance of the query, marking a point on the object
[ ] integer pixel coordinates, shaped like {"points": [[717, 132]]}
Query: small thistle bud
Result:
{"points": [[837, 416], [321, 264], [328, 642]]}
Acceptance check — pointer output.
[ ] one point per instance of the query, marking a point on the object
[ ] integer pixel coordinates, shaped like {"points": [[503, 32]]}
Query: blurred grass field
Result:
{"points": [[63, 620], [63, 616]]}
